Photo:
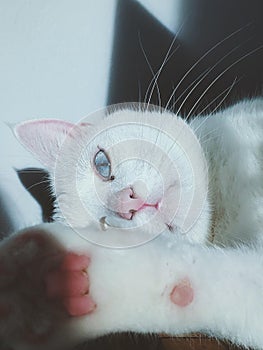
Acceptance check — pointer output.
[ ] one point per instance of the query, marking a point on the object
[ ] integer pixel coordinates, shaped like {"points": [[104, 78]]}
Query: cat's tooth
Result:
{"points": [[103, 223]]}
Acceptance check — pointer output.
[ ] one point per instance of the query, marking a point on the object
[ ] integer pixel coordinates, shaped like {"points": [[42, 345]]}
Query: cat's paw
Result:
{"points": [[41, 287], [182, 293]]}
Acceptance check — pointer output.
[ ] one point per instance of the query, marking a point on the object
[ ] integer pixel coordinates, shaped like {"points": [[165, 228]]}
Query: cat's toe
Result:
{"points": [[66, 283], [182, 293], [69, 283], [79, 306], [75, 262]]}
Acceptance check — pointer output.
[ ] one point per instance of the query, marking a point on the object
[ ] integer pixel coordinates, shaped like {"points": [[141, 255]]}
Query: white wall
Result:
{"points": [[168, 12], [54, 61]]}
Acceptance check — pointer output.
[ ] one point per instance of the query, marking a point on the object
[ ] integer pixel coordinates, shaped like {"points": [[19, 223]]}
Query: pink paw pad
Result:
{"points": [[182, 293], [70, 283], [62, 283], [74, 262], [79, 306]]}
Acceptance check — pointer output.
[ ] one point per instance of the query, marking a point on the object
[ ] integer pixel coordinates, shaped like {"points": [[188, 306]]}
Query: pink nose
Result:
{"points": [[127, 203]]}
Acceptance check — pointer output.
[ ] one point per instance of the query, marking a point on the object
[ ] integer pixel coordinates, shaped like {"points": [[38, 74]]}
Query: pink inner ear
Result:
{"points": [[43, 138]]}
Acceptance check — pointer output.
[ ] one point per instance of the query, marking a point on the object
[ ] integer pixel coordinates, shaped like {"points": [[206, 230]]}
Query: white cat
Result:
{"points": [[139, 215]]}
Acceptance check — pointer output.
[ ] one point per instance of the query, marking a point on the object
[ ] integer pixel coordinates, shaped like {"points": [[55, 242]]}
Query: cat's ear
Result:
{"points": [[43, 138]]}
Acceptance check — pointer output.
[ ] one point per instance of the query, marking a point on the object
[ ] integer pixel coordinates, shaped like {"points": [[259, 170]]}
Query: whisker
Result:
{"points": [[188, 87], [37, 184], [203, 136], [151, 69], [202, 58], [203, 141], [220, 75], [227, 90], [157, 74], [204, 119], [209, 70], [174, 98], [139, 91], [234, 83], [166, 59], [30, 171]]}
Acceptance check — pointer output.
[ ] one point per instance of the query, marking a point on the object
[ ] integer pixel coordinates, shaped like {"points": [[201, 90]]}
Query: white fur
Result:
{"points": [[132, 286], [232, 141]]}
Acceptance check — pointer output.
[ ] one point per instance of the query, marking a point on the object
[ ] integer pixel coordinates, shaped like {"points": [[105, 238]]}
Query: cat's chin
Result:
{"points": [[147, 219], [115, 237]]}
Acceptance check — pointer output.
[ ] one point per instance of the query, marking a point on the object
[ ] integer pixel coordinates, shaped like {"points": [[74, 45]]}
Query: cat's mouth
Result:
{"points": [[105, 222], [132, 212]]}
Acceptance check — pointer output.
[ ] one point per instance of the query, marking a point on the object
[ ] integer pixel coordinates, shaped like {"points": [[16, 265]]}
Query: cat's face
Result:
{"points": [[132, 170]]}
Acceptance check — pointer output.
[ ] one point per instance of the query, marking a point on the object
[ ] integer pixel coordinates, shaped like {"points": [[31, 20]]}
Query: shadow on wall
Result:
{"points": [[233, 68]]}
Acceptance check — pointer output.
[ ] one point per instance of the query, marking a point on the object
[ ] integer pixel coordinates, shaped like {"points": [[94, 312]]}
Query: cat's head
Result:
{"points": [[128, 169]]}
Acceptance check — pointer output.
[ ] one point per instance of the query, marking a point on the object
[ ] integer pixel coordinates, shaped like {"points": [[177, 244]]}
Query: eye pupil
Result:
{"points": [[102, 164]]}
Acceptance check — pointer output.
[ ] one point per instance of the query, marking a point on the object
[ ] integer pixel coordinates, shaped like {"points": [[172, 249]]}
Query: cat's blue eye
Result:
{"points": [[102, 164]]}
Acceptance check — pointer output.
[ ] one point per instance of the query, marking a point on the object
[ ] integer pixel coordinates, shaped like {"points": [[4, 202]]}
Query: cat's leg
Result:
{"points": [[139, 289], [185, 288], [227, 287], [179, 288]]}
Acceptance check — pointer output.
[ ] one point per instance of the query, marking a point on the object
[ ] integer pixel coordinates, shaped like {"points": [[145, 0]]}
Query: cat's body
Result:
{"points": [[174, 281], [234, 152]]}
